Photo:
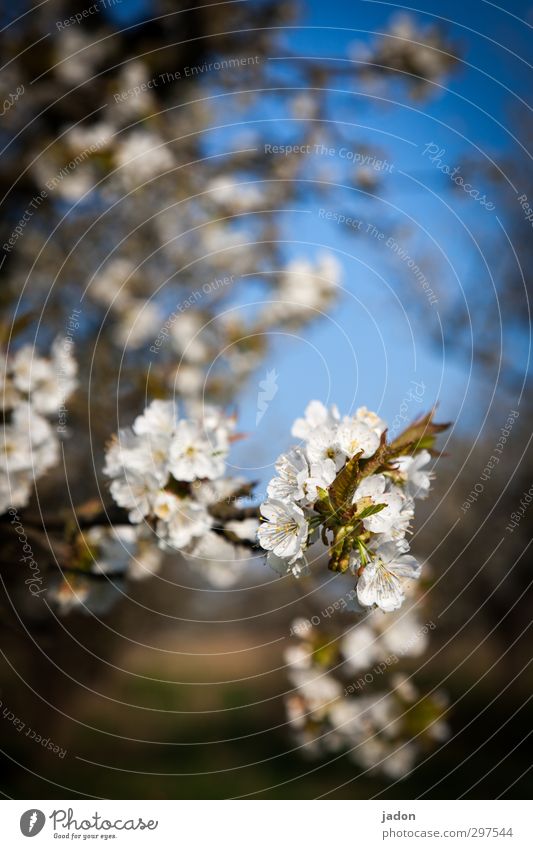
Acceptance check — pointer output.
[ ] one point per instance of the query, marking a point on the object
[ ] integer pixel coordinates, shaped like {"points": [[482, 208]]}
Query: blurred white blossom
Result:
{"points": [[35, 388]]}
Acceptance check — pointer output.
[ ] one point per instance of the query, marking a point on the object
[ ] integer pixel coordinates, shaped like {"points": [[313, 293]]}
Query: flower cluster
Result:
{"points": [[34, 389], [304, 288], [383, 727], [169, 471], [422, 54], [349, 489]]}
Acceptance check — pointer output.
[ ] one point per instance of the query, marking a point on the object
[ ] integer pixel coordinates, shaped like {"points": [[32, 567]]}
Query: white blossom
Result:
{"points": [[321, 475], [169, 470], [110, 285], [186, 339], [240, 196], [136, 455], [111, 549], [136, 493], [371, 724], [141, 156], [159, 419], [304, 287], [293, 470], [211, 492], [189, 380], [244, 529], [296, 565], [323, 444], [222, 563], [47, 382], [382, 505], [139, 322], [316, 415], [146, 560], [372, 420], [193, 456], [418, 479], [285, 530], [34, 388], [382, 581], [355, 436], [395, 517], [181, 520], [360, 646], [318, 688], [402, 633]]}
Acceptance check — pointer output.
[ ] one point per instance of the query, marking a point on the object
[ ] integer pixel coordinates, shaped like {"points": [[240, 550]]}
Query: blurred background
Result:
{"points": [[332, 199]]}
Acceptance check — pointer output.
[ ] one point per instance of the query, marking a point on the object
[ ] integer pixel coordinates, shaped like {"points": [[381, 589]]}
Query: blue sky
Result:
{"points": [[378, 342], [375, 345]]}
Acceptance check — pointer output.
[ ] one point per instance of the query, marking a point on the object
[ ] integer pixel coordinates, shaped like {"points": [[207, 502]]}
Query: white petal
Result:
{"points": [[377, 585]]}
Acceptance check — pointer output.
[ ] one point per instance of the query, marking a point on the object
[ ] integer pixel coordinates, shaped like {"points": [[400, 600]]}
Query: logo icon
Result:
{"points": [[32, 822], [268, 390]]}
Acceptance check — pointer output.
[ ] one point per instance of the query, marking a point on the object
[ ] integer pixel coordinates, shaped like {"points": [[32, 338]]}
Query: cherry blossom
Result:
{"points": [[383, 579], [285, 530], [346, 489], [418, 480]]}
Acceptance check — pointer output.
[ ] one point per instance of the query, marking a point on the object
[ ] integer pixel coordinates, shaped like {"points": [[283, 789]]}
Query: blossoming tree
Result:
{"points": [[141, 205]]}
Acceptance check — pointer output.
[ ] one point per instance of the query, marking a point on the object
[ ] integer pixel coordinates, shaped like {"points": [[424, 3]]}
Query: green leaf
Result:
{"points": [[322, 504], [341, 491], [362, 552], [368, 510], [420, 434]]}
